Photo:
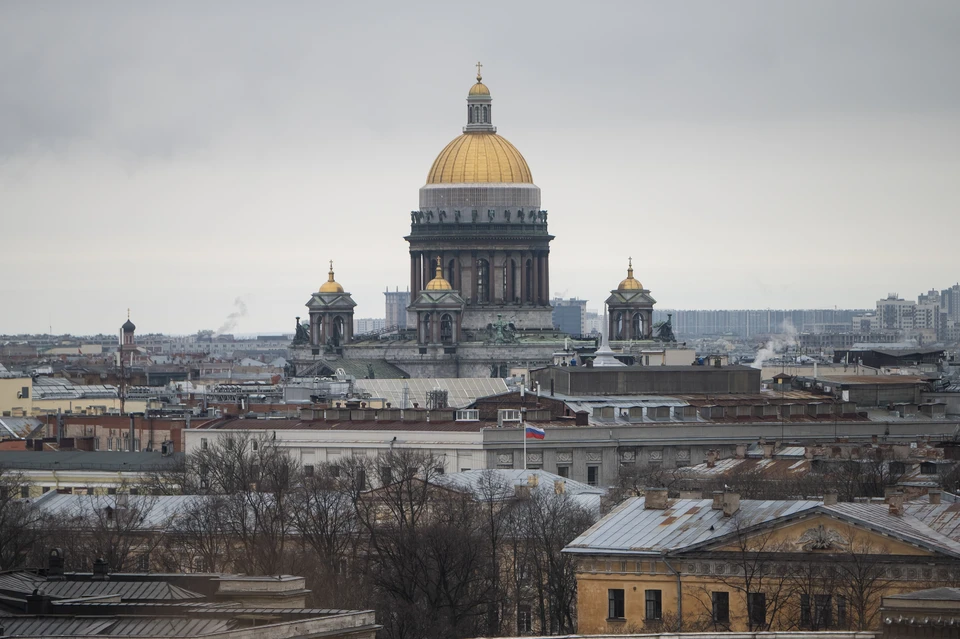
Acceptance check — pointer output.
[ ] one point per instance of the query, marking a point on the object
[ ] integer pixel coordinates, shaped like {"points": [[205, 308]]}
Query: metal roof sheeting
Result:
{"points": [[633, 529], [461, 392]]}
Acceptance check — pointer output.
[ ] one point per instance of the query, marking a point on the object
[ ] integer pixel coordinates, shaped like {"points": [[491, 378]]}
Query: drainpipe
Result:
{"points": [[663, 555]]}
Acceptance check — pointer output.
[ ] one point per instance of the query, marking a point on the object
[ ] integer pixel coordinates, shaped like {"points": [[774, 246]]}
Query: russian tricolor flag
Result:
{"points": [[535, 433]]}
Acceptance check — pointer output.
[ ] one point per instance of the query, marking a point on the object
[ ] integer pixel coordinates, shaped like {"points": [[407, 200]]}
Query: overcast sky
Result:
{"points": [[173, 157]]}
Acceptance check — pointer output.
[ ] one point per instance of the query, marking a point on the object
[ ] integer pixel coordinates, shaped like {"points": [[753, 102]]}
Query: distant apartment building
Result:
{"points": [[747, 323], [368, 325], [894, 313], [950, 303], [593, 322], [397, 302], [570, 315]]}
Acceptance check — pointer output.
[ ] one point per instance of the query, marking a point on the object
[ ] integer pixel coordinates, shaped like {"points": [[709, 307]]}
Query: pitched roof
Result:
{"points": [[688, 524]]}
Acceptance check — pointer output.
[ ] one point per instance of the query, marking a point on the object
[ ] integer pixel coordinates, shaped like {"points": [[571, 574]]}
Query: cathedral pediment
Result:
{"points": [[632, 298], [330, 301]]}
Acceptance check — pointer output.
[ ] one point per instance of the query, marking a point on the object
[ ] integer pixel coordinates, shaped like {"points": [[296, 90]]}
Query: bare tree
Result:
{"points": [[547, 522], [19, 529]]}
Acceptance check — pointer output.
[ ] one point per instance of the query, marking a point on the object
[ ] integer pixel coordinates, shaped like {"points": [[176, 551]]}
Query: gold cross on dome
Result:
{"points": [[331, 265], [478, 71], [439, 263], [128, 313]]}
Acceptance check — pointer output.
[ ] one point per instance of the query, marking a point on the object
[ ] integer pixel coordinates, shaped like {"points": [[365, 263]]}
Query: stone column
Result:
{"points": [[523, 277], [425, 269], [546, 276], [497, 270], [536, 279], [414, 279], [475, 271]]}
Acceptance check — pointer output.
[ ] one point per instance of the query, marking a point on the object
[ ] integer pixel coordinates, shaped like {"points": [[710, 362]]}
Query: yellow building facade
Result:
{"points": [[719, 564]]}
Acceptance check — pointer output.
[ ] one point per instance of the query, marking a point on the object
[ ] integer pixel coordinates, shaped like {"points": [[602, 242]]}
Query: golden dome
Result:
{"points": [[631, 283], [331, 286], [479, 88], [479, 157], [438, 283]]}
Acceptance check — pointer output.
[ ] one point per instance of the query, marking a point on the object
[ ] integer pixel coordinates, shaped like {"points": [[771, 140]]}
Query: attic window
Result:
{"points": [[928, 468]]}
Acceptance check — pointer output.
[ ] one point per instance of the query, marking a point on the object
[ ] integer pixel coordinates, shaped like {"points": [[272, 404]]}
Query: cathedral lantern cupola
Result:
{"points": [[439, 312], [630, 310], [331, 315]]}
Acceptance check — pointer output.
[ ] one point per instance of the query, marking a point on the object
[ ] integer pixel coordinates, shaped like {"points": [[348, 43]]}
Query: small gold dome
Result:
{"points": [[331, 286], [479, 88], [479, 157], [631, 283], [438, 283]]}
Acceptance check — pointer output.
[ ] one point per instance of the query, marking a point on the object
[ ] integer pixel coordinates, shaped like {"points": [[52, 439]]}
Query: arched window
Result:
{"points": [[446, 328], [469, 114], [486, 118], [317, 335], [483, 281], [618, 326], [637, 326], [338, 333], [425, 328]]}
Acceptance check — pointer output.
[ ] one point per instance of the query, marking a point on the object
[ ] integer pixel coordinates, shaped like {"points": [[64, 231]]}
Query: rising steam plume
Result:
{"points": [[233, 318]]}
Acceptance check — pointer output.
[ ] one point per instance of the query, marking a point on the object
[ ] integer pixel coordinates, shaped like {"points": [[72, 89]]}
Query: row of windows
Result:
{"points": [[817, 612]]}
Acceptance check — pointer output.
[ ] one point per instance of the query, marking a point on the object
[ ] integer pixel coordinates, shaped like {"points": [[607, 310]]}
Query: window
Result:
{"points": [[654, 607], [96, 443], [563, 471], [203, 444], [615, 603], [928, 468], [524, 619], [897, 468], [386, 475], [438, 470], [109, 443], [593, 473], [111, 491], [25, 392], [361, 479], [721, 607], [823, 611], [805, 611], [841, 611], [24, 492], [308, 471], [143, 562], [757, 609]]}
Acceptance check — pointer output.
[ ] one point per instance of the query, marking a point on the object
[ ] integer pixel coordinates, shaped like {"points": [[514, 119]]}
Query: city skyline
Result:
{"points": [[174, 161]]}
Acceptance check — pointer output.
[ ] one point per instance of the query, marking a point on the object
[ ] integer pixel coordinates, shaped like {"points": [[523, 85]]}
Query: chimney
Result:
{"points": [[712, 458], [731, 503], [55, 565], [38, 603], [768, 450], [100, 569], [717, 500], [830, 498], [533, 480], [559, 486], [741, 451], [582, 418], [934, 495], [888, 492], [896, 504], [691, 494], [655, 498]]}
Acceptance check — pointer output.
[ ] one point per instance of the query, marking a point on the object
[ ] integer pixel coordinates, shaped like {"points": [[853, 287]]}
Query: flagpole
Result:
{"points": [[523, 427]]}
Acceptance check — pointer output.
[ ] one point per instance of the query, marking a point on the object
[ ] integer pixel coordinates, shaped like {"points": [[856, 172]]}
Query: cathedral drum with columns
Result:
{"points": [[480, 215]]}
